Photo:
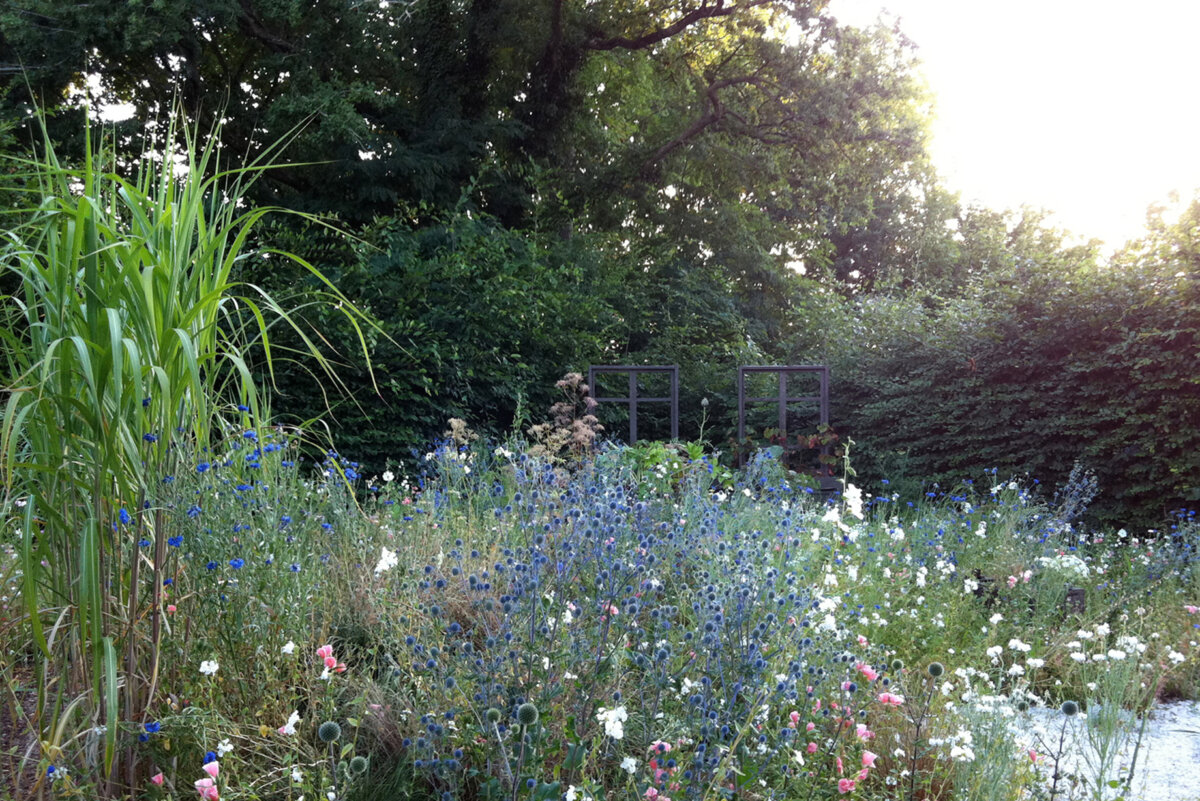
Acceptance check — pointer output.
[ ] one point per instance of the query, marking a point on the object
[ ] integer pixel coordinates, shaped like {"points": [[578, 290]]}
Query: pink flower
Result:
{"points": [[212, 768], [810, 726], [840, 768], [845, 785], [869, 758], [208, 790], [330, 662], [862, 641], [170, 609], [157, 778], [794, 717], [651, 793], [1191, 610], [863, 732], [812, 748], [868, 673], [325, 651], [891, 699], [660, 747], [1012, 581], [863, 774]]}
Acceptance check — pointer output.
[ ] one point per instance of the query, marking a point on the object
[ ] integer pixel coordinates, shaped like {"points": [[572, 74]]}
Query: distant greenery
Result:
{"points": [[534, 187]]}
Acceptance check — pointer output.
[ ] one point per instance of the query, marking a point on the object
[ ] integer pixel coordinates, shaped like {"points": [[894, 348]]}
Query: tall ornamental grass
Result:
{"points": [[125, 338]]}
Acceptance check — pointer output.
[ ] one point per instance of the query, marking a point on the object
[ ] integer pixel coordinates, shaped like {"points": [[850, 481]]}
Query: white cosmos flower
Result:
{"points": [[209, 667]]}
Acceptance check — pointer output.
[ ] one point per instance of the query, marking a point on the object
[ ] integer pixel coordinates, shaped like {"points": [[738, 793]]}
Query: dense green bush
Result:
{"points": [[1034, 373]]}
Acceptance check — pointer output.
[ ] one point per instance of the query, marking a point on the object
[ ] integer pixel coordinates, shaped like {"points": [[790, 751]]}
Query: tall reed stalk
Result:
{"points": [[126, 338]]}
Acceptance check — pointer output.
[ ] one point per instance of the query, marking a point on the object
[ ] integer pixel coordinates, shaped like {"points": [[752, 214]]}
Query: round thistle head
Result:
{"points": [[897, 664], [527, 714], [358, 765], [936, 669], [1070, 708], [493, 715], [329, 731], [1022, 706]]}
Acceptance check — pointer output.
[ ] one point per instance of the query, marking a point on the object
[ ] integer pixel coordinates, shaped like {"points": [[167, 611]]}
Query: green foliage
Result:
{"points": [[1048, 363], [124, 341]]}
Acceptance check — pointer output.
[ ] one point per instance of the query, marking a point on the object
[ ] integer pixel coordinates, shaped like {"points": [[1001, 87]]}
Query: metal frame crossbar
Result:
{"points": [[633, 399], [782, 398]]}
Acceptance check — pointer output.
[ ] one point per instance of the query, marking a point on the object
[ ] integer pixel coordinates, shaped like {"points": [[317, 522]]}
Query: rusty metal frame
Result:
{"points": [[633, 399], [782, 398]]}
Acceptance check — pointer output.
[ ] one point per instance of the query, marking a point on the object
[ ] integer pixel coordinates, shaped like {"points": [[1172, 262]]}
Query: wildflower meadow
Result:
{"points": [[197, 601]]}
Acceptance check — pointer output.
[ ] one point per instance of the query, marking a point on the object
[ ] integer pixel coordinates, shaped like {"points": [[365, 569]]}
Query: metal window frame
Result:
{"points": [[634, 370], [782, 398]]}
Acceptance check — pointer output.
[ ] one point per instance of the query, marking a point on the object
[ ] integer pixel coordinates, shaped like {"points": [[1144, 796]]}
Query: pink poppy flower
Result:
{"points": [[157, 778], [1191, 610], [794, 717], [868, 673], [212, 768], [845, 785], [869, 758], [812, 748], [891, 699]]}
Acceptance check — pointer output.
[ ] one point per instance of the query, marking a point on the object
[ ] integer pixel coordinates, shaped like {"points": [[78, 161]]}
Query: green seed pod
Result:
{"points": [[329, 731], [527, 714], [936, 669], [358, 765]]}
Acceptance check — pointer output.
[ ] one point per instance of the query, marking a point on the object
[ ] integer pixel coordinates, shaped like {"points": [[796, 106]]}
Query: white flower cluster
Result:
{"points": [[1066, 564], [613, 720]]}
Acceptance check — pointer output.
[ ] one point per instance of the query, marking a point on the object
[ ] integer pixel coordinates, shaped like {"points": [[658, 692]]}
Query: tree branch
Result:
{"points": [[705, 11], [716, 112]]}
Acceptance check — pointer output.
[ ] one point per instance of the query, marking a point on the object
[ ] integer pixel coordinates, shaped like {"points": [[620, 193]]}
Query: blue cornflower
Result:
{"points": [[209, 756], [243, 487], [145, 402], [150, 437], [124, 516], [144, 542], [243, 407], [211, 565], [202, 467], [283, 521], [152, 727], [237, 564], [175, 541], [295, 568], [251, 435], [194, 511]]}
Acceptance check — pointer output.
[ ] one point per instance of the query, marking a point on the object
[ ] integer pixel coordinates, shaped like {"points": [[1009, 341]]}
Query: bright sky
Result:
{"points": [[1088, 108]]}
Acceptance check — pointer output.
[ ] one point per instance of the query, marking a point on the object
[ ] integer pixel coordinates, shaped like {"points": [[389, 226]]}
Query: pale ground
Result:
{"points": [[1168, 764]]}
